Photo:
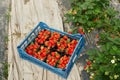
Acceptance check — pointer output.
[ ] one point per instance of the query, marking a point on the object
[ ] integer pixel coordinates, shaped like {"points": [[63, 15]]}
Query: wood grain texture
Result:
{"points": [[25, 14]]}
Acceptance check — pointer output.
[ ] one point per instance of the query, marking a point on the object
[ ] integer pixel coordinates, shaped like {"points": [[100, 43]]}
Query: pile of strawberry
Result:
{"points": [[52, 48]]}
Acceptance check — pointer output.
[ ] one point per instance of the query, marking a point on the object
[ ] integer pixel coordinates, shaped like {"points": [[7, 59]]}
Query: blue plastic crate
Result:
{"points": [[32, 36]]}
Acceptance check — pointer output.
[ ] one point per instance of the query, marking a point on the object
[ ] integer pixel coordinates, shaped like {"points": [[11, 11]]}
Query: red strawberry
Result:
{"points": [[41, 58], [46, 43], [82, 33], [36, 39], [30, 52], [85, 67], [35, 47], [65, 62], [95, 19], [80, 30], [53, 54], [65, 37], [88, 63], [49, 59], [59, 66], [48, 32], [43, 54], [39, 36], [74, 41], [31, 47], [57, 56], [36, 55], [97, 36]]}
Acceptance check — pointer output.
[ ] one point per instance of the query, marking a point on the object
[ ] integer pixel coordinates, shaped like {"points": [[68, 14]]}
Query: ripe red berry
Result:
{"points": [[85, 67], [82, 33], [58, 56], [53, 54], [36, 55], [97, 36], [80, 30], [88, 63], [65, 37]]}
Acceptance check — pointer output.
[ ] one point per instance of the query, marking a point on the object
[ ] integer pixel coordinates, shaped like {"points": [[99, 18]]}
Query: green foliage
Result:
{"points": [[91, 14], [106, 60], [8, 16], [5, 70], [96, 14], [8, 12], [6, 38]]}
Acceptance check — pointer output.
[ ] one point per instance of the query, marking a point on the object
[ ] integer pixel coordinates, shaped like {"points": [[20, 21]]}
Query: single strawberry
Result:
{"points": [[44, 54], [46, 43], [49, 59], [31, 47], [85, 67], [97, 36], [36, 39], [36, 55], [65, 37], [30, 52], [88, 63], [53, 54], [80, 29], [57, 56], [82, 33]]}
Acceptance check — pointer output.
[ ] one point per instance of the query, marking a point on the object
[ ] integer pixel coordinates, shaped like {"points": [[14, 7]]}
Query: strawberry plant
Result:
{"points": [[90, 15], [105, 62], [52, 48], [87, 15]]}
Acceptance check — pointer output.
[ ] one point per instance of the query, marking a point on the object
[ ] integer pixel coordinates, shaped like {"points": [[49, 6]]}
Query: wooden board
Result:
{"points": [[25, 14]]}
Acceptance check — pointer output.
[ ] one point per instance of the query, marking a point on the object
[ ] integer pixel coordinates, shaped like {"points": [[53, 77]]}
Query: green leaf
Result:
{"points": [[114, 48], [75, 29], [108, 46], [112, 51], [97, 11], [116, 40]]}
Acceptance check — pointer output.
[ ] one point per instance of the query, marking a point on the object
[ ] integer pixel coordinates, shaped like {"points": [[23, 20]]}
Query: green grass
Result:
{"points": [[7, 15], [5, 70], [6, 38]]}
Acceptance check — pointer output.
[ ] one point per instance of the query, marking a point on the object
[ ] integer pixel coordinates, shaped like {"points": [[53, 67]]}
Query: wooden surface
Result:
{"points": [[25, 14]]}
